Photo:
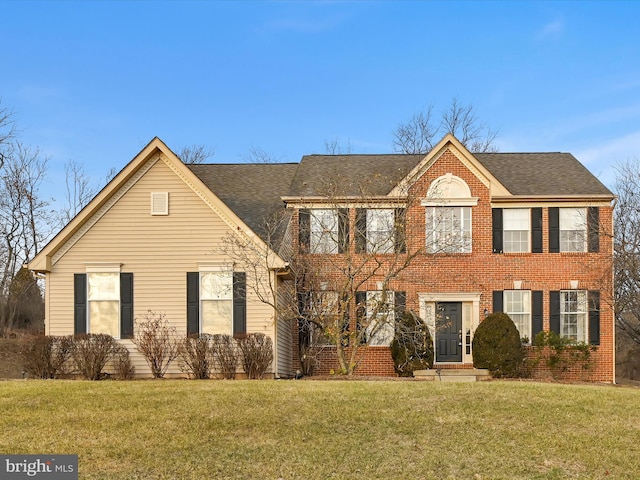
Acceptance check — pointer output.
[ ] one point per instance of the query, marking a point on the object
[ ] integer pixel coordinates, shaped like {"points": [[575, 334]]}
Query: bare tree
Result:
{"points": [[25, 221], [420, 133], [343, 281], [334, 147], [195, 154], [627, 249], [258, 155], [79, 191], [7, 131]]}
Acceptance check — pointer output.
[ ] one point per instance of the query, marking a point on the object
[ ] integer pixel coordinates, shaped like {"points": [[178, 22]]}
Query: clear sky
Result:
{"points": [[95, 81]]}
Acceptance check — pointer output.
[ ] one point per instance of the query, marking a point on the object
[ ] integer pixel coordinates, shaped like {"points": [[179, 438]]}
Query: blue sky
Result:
{"points": [[95, 81]]}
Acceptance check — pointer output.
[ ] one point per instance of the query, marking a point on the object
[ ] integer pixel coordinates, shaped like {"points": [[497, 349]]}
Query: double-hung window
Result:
{"points": [[104, 303], [380, 327], [448, 229], [516, 229], [573, 315], [380, 230], [517, 304], [216, 302], [573, 229], [324, 231]]}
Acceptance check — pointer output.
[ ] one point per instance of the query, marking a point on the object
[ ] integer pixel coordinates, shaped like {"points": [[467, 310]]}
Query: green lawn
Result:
{"points": [[178, 429]]}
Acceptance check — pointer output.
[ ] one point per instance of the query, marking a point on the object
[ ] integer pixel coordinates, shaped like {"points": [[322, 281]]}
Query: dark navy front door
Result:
{"points": [[449, 332]]}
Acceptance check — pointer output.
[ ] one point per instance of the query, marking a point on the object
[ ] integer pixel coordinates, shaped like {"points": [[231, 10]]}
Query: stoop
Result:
{"points": [[453, 374]]}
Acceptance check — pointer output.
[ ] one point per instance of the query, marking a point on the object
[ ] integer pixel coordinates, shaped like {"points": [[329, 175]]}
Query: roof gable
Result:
{"points": [[154, 152]]}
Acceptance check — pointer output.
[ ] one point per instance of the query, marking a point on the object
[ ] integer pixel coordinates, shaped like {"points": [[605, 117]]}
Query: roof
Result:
{"points": [[549, 174], [252, 190], [350, 175], [533, 174]]}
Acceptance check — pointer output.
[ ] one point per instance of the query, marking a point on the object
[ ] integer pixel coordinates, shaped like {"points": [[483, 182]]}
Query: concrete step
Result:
{"points": [[453, 374]]}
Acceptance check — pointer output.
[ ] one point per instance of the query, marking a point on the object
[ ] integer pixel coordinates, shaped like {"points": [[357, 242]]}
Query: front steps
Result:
{"points": [[453, 374]]}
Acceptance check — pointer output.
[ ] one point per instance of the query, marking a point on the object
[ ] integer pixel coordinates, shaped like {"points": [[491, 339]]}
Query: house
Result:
{"points": [[449, 235]]}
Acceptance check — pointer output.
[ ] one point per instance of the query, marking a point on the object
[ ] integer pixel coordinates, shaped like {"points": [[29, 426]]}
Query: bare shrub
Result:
{"points": [[46, 357], [123, 369], [157, 341], [257, 354], [196, 356], [91, 352], [225, 355]]}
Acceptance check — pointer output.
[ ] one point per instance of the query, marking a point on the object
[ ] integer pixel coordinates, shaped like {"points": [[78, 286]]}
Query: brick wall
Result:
{"points": [[483, 271]]}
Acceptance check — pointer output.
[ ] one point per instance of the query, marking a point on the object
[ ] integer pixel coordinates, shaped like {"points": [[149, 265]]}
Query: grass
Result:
{"points": [[179, 429]]}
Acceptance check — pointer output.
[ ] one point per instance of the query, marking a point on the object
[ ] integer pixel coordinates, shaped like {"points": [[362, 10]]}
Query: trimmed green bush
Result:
{"points": [[497, 346], [412, 346]]}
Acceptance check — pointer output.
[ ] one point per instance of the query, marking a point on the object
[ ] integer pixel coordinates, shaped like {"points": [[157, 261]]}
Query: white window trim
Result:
{"points": [[529, 311], [390, 233], [430, 232], [583, 315], [334, 232], [505, 230], [99, 267], [389, 319], [213, 268]]}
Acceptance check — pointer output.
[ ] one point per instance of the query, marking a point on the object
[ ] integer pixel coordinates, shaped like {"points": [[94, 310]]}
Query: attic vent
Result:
{"points": [[159, 203]]}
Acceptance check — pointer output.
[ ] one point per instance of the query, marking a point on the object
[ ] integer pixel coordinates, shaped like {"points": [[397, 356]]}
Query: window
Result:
{"points": [[573, 230], [516, 229], [325, 309], [324, 231], [517, 304], [449, 229], [380, 230], [380, 318], [104, 303], [216, 302], [573, 315]]}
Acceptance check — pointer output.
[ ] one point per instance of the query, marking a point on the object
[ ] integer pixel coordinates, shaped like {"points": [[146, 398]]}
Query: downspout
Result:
{"points": [[613, 286]]}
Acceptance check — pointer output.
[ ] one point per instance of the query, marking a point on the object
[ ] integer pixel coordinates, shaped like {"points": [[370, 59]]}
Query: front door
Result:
{"points": [[448, 332]]}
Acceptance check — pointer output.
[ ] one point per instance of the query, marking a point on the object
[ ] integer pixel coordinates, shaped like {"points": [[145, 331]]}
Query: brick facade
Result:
{"points": [[471, 278]]}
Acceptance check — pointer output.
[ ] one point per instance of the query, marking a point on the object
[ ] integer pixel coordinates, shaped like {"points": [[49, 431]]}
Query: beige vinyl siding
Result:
{"points": [[158, 250], [284, 332]]}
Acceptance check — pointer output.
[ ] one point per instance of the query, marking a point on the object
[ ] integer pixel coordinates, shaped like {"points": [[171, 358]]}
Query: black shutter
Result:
{"points": [[193, 303], [554, 312], [593, 229], [536, 230], [304, 325], [594, 317], [343, 230], [554, 230], [496, 217], [536, 313], [344, 311], [304, 229], [79, 303], [361, 230], [400, 302], [126, 305], [239, 303], [400, 239], [361, 313], [498, 300]]}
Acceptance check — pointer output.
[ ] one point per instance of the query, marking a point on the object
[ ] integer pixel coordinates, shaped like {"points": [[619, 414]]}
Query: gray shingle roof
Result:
{"points": [[254, 191], [351, 174], [542, 174]]}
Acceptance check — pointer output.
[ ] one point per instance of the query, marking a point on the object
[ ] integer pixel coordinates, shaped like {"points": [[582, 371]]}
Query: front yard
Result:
{"points": [[177, 429]]}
